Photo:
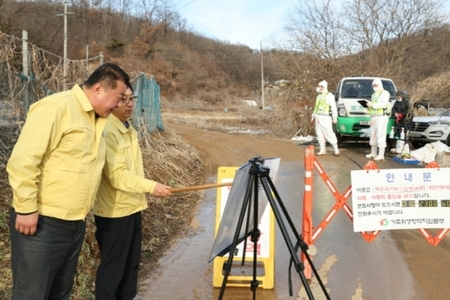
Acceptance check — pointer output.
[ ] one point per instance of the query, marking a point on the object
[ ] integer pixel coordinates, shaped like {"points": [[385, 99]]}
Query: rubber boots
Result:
{"points": [[336, 149], [373, 152], [322, 148], [380, 154]]}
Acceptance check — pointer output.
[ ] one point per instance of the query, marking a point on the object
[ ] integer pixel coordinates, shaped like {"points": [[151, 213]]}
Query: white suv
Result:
{"points": [[430, 129]]}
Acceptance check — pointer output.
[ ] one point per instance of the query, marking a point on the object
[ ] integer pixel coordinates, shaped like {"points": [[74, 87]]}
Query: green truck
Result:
{"points": [[353, 120]]}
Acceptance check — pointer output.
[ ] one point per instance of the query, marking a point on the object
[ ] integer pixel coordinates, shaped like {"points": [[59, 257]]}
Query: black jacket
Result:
{"points": [[401, 107]]}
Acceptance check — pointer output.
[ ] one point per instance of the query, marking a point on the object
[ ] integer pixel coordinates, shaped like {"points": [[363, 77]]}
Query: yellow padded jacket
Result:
{"points": [[56, 164], [123, 185]]}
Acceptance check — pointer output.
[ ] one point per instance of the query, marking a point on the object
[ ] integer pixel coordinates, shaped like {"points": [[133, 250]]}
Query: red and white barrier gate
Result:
{"points": [[311, 233]]}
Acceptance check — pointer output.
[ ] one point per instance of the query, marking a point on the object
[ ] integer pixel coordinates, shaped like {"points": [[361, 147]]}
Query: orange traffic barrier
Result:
{"points": [[433, 240], [307, 227]]}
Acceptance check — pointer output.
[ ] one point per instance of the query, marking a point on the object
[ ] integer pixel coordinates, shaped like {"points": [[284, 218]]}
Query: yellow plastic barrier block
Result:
{"points": [[241, 276]]}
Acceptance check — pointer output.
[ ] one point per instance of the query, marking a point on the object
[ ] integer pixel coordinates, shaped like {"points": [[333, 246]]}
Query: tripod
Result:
{"points": [[258, 173]]}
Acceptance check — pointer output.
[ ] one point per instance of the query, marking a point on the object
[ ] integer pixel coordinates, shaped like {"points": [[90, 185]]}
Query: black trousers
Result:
{"points": [[119, 240], [44, 264]]}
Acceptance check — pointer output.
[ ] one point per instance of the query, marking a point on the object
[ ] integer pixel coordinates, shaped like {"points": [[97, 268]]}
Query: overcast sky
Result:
{"points": [[246, 22]]}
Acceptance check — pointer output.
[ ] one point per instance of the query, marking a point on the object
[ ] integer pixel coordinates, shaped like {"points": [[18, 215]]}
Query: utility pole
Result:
{"points": [[25, 71], [262, 79], [65, 41]]}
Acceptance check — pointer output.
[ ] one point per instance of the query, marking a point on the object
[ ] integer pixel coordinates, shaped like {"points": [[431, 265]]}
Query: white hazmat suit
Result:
{"points": [[378, 120], [324, 115]]}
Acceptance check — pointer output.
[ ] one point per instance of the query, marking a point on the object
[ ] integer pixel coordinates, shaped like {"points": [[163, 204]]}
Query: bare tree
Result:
{"points": [[332, 39], [147, 10], [316, 28], [319, 43], [390, 28], [380, 32]]}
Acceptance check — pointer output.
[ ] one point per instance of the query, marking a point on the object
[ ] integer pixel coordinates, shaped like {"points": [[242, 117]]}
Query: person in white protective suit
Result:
{"points": [[324, 114], [378, 106]]}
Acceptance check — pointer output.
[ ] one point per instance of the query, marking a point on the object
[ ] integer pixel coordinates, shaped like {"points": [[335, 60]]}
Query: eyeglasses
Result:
{"points": [[126, 100]]}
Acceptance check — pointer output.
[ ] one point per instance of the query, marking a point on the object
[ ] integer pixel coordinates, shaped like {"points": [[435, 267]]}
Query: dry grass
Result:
{"points": [[281, 119], [435, 88], [8, 137], [167, 159]]}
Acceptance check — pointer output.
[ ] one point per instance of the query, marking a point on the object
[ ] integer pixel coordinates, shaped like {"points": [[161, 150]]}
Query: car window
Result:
{"points": [[350, 90], [362, 88], [445, 113], [389, 86], [357, 88]]}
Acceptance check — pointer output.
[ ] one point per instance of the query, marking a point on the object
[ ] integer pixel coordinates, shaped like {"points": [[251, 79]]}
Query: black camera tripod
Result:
{"points": [[260, 174]]}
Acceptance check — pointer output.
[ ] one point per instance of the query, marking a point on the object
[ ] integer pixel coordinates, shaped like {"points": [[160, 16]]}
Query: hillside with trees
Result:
{"points": [[153, 40], [406, 40]]}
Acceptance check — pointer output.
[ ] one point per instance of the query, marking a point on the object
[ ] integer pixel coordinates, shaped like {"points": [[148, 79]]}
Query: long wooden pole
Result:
{"points": [[199, 187]]}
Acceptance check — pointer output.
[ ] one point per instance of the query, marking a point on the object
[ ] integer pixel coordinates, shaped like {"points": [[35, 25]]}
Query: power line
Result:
{"points": [[185, 5]]}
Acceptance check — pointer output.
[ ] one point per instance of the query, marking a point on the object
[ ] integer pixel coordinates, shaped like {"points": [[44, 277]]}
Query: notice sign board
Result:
{"points": [[230, 202], [400, 199]]}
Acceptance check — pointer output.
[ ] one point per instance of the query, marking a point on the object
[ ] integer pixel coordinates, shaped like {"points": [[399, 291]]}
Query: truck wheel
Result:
{"points": [[417, 145], [341, 139], [447, 141]]}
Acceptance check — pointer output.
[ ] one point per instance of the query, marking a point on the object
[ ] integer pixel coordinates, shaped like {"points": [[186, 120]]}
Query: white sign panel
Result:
{"points": [[400, 199], [264, 227], [231, 208]]}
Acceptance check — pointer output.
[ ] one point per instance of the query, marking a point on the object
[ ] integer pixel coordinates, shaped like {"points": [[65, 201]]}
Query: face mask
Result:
{"points": [[318, 89], [377, 88]]}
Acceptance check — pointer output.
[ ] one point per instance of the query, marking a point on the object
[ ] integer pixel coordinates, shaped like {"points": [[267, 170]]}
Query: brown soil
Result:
{"points": [[428, 264], [223, 149]]}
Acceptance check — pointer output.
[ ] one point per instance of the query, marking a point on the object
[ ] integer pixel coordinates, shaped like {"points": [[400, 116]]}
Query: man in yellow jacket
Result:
{"points": [[117, 210], [54, 171]]}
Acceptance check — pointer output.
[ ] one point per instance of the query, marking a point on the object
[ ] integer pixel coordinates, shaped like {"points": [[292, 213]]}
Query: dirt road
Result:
{"points": [[411, 264]]}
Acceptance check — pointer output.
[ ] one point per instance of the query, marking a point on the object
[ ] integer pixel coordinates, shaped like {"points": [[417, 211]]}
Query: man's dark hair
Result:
{"points": [[130, 87], [108, 74], [400, 94]]}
